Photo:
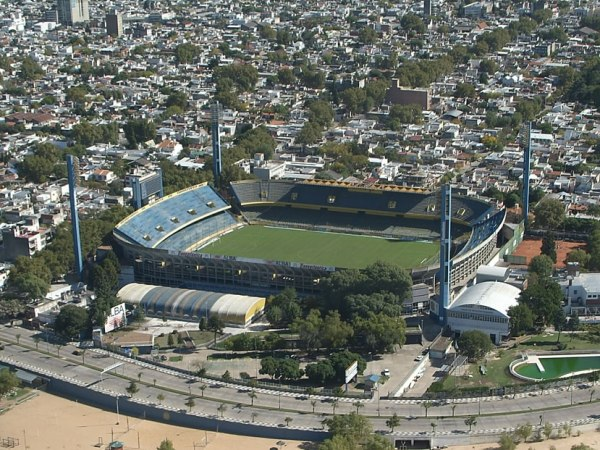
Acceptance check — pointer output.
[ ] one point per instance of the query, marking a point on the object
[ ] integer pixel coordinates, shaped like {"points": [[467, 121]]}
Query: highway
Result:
{"points": [[271, 408]]}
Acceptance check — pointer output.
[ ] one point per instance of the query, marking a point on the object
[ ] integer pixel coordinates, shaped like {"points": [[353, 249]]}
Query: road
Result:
{"points": [[271, 408]]}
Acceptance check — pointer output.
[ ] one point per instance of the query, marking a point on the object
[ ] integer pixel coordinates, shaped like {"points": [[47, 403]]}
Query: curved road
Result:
{"points": [[495, 414]]}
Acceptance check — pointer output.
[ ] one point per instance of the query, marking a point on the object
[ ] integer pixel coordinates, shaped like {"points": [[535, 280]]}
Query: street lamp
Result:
{"points": [[117, 410]]}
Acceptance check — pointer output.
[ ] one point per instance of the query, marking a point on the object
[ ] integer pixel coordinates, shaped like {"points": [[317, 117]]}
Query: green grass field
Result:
{"points": [[315, 247]]}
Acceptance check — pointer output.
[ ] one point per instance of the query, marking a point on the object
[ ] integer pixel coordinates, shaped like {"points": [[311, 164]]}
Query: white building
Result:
{"points": [[583, 294], [484, 307]]}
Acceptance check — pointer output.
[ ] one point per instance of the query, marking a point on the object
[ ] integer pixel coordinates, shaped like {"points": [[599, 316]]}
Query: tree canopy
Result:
{"points": [[474, 344], [549, 214], [71, 321]]}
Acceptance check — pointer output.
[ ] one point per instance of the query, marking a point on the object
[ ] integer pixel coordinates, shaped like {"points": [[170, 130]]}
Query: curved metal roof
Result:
{"points": [[188, 304], [489, 294]]}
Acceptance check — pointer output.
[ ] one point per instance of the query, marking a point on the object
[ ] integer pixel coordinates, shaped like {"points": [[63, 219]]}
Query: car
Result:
{"points": [[419, 358], [385, 372]]}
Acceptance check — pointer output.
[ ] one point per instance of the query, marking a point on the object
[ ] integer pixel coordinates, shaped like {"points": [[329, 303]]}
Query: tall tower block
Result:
{"points": [[526, 173], [427, 8], [445, 255], [73, 170], [216, 142]]}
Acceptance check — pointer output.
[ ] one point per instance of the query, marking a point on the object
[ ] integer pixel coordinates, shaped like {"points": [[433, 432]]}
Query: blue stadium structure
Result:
{"points": [[161, 239]]}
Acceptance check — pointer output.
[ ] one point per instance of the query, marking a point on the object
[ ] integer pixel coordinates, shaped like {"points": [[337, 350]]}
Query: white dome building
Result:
{"points": [[484, 307]]}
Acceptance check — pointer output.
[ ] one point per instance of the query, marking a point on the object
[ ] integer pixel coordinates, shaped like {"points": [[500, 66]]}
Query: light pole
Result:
{"points": [[117, 410]]}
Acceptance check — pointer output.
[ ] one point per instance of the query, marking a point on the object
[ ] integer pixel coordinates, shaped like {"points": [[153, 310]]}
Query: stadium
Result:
{"points": [[271, 235]]}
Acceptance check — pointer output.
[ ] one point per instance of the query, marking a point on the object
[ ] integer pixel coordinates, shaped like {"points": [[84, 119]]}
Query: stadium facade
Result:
{"points": [[163, 241]]}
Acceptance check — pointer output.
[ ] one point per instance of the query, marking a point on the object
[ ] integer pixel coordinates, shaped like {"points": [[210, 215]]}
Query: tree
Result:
{"points": [[549, 214], [320, 112], [547, 430], [465, 90], [190, 403], [287, 421], [309, 329], [470, 421], [320, 373], [132, 389], [358, 405], [524, 431], [71, 320], [367, 35], [138, 131], [380, 332], [216, 325], [393, 422], [334, 332], [541, 265], [521, 319], [252, 396], [8, 381], [202, 388], [222, 408], [286, 76], [166, 444], [549, 246], [474, 344], [544, 298], [309, 134], [427, 404], [507, 442]]}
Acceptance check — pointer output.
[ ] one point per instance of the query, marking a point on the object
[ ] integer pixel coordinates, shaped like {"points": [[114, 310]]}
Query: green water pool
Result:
{"points": [[558, 367]]}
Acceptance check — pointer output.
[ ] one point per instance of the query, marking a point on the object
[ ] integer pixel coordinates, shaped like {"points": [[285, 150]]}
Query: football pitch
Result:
{"points": [[321, 248]]}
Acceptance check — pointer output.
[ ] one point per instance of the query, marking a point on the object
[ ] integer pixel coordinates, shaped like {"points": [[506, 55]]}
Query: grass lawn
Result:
{"points": [[321, 248], [199, 337], [497, 365]]}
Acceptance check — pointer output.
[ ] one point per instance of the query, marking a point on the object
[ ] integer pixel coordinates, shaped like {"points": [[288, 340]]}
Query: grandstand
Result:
{"points": [[166, 241]]}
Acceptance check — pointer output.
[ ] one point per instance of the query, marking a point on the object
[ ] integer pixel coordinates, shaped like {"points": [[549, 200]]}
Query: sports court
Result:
{"points": [[321, 248], [532, 247]]}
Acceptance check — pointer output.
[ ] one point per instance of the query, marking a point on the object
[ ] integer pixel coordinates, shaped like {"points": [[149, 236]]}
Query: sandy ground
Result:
{"points": [[47, 422], [533, 247], [590, 438]]}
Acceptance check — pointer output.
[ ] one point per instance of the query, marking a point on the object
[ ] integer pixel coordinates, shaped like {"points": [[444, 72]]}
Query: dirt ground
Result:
{"points": [[533, 247], [47, 422], [591, 439]]}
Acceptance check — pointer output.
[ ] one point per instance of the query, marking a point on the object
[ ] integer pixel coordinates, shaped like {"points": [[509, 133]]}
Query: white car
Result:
{"points": [[385, 372]]}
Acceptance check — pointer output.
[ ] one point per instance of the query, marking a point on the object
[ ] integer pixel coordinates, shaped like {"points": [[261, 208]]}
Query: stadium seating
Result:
{"points": [[482, 230], [199, 231], [149, 225], [347, 196]]}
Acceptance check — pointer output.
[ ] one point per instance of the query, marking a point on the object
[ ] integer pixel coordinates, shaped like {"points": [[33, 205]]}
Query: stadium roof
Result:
{"points": [[188, 304], [154, 223], [489, 294]]}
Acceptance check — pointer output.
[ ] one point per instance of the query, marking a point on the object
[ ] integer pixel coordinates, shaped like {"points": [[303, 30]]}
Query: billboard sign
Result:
{"points": [[351, 372], [116, 318]]}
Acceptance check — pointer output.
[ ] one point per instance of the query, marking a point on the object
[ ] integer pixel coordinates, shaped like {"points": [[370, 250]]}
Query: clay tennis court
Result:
{"points": [[531, 247]]}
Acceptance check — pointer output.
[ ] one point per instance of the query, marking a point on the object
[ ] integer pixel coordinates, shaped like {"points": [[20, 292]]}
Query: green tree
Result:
{"points": [[521, 319], [138, 131], [507, 442], [166, 444], [549, 214], [283, 308], [71, 321], [8, 381], [541, 266], [190, 403], [334, 332], [30, 69], [470, 422], [286, 76], [309, 329], [132, 389], [185, 53], [311, 133], [367, 35], [252, 396], [320, 112], [216, 325], [544, 298], [474, 344], [393, 422], [379, 332], [524, 431], [549, 246], [320, 373], [465, 90]]}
